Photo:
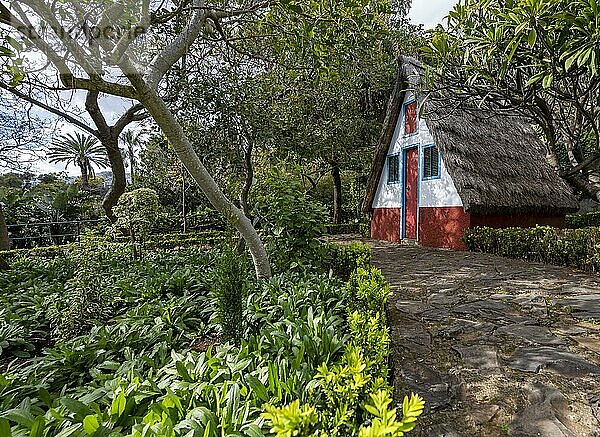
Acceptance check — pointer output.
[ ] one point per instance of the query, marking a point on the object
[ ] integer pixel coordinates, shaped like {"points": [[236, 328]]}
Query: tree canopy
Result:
{"points": [[534, 58]]}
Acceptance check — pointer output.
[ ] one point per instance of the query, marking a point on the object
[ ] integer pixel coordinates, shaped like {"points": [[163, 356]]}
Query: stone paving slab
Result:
{"points": [[495, 346]]}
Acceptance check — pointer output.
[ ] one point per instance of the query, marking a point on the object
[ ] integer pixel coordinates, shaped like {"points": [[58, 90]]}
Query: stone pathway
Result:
{"points": [[495, 346]]}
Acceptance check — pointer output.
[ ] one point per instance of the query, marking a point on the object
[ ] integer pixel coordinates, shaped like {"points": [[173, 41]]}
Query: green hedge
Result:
{"points": [[579, 248], [156, 242], [343, 259], [586, 220]]}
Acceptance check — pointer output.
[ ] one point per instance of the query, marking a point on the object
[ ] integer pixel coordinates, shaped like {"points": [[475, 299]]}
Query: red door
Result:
{"points": [[411, 192]]}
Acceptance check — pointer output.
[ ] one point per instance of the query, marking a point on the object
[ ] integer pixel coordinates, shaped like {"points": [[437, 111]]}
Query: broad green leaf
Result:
{"points": [[183, 372], [14, 43], [118, 404], [253, 431], [19, 416], [90, 424], [38, 426], [75, 406], [45, 397], [547, 81], [5, 428], [532, 38], [67, 432], [570, 61], [257, 387]]}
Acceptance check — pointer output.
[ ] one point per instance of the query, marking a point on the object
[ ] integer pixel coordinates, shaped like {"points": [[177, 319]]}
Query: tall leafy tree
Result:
{"points": [[81, 150], [321, 112], [536, 58], [126, 65]]}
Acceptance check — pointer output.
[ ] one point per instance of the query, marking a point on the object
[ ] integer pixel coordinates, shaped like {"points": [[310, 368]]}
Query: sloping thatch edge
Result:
{"points": [[394, 107]]}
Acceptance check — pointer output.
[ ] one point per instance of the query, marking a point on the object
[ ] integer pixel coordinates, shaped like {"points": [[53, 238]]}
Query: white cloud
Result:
{"points": [[430, 12]]}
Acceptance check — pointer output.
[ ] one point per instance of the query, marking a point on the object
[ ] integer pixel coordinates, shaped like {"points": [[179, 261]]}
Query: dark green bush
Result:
{"points": [[587, 220], [579, 248], [343, 259], [229, 285], [361, 228], [365, 230]]}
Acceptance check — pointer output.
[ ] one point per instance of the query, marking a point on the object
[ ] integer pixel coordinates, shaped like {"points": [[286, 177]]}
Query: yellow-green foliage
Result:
{"points": [[385, 423], [291, 420], [352, 396], [369, 290]]}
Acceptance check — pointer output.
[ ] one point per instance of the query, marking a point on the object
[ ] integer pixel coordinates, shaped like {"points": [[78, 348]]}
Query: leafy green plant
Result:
{"points": [[156, 367], [344, 389], [230, 282], [291, 220], [291, 420], [369, 290], [343, 259], [385, 423], [136, 212]]}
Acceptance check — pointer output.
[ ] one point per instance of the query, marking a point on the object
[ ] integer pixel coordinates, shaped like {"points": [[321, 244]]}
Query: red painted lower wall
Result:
{"points": [[443, 227], [520, 221], [385, 224]]}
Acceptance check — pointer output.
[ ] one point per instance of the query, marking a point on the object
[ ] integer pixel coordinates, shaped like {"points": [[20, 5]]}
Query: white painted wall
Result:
{"points": [[432, 193]]}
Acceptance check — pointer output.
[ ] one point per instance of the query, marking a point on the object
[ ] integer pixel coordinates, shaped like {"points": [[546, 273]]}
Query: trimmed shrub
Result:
{"points": [[579, 248], [587, 220], [343, 259], [353, 391], [154, 243], [365, 229]]}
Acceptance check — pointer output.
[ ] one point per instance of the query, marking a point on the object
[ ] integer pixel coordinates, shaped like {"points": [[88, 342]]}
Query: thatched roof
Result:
{"points": [[497, 161]]}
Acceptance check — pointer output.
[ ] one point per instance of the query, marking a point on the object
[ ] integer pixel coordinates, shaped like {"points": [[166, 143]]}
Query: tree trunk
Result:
{"points": [[85, 178], [589, 190], [337, 192], [119, 182], [131, 162], [245, 193], [109, 137], [183, 211], [185, 152], [4, 240]]}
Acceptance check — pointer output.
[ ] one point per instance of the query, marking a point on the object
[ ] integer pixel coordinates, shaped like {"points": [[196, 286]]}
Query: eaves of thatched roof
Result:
{"points": [[496, 160]]}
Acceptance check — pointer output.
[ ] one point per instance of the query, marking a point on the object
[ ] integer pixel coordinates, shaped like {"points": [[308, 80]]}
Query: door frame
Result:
{"points": [[403, 210]]}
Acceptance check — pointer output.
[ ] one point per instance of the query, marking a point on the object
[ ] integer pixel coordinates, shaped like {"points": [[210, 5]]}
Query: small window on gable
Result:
{"points": [[393, 169], [410, 118], [431, 162]]}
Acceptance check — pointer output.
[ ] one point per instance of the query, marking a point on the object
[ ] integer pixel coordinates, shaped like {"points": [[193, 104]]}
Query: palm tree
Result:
{"points": [[131, 139], [84, 151]]}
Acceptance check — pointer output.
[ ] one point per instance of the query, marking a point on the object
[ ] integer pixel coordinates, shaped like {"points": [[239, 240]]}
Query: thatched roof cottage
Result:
{"points": [[437, 174]]}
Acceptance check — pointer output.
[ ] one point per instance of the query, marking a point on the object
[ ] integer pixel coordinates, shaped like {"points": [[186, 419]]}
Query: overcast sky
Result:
{"points": [[430, 12], [426, 12]]}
